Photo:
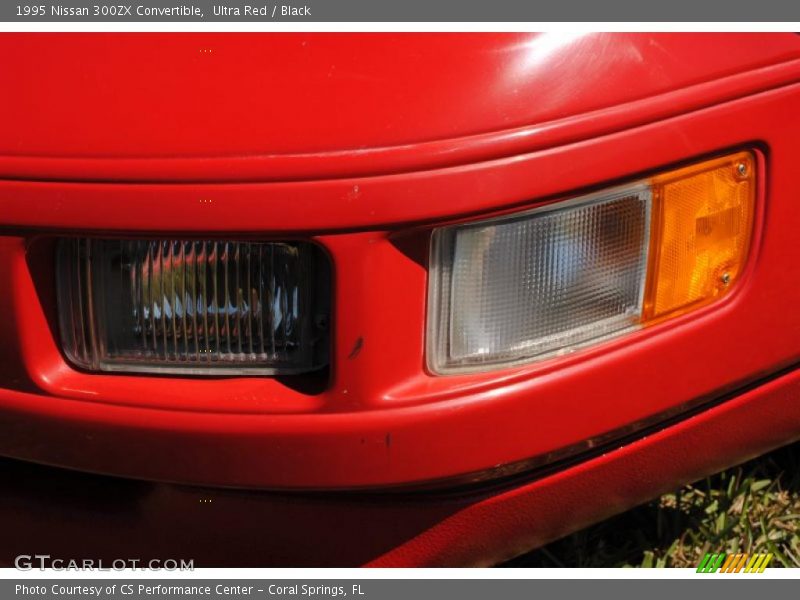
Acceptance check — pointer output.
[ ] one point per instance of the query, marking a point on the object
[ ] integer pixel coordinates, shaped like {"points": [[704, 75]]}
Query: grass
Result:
{"points": [[751, 508]]}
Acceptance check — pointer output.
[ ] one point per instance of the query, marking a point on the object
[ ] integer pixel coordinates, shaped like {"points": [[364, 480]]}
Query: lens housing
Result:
{"points": [[527, 286]]}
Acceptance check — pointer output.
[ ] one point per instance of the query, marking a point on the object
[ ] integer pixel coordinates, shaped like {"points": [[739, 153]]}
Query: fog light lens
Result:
{"points": [[193, 307], [547, 281]]}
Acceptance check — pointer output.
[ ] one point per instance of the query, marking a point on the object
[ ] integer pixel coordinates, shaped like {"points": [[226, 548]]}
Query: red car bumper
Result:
{"points": [[71, 515], [665, 404]]}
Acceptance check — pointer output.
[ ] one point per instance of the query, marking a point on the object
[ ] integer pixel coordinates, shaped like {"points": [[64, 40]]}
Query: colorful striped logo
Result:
{"points": [[734, 563]]}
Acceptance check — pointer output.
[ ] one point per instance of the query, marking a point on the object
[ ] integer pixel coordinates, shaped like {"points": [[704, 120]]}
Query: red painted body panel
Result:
{"points": [[364, 143], [101, 517], [221, 107], [217, 95]]}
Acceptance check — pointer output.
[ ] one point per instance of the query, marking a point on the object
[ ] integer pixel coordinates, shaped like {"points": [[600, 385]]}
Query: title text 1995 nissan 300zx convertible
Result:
{"points": [[386, 299]]}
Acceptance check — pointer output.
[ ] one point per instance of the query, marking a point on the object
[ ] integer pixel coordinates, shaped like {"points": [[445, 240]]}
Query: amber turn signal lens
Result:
{"points": [[702, 222]]}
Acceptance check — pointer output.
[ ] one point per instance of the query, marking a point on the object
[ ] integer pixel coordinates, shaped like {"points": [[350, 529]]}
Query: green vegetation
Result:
{"points": [[752, 508]]}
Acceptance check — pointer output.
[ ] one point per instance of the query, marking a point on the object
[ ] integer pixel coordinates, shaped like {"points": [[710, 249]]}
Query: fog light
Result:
{"points": [[193, 307], [550, 280]]}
